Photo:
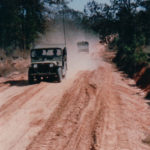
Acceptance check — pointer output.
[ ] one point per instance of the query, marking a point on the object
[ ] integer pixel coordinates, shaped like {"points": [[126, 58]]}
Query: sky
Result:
{"points": [[79, 4]]}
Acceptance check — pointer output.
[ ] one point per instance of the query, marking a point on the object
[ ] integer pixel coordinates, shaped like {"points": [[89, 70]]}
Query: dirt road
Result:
{"points": [[96, 109]]}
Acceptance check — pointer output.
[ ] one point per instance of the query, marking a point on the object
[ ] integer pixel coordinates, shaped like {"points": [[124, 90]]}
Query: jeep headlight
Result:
{"points": [[35, 66], [51, 65]]}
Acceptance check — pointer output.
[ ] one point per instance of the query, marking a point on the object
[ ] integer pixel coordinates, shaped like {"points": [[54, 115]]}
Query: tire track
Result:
{"points": [[3, 87], [66, 116], [16, 102], [93, 115]]}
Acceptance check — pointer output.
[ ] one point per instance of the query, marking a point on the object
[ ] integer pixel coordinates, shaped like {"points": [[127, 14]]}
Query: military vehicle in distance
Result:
{"points": [[83, 46], [47, 63]]}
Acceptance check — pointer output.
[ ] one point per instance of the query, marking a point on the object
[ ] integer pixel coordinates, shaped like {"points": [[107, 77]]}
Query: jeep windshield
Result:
{"points": [[54, 54]]}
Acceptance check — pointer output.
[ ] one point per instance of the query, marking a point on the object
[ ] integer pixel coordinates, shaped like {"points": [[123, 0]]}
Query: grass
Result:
{"points": [[18, 61]]}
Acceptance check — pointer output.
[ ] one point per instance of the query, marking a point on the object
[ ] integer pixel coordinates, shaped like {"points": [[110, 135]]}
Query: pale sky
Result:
{"points": [[79, 4]]}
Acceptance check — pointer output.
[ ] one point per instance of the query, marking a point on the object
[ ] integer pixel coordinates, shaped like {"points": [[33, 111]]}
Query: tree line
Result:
{"points": [[21, 21], [129, 22]]}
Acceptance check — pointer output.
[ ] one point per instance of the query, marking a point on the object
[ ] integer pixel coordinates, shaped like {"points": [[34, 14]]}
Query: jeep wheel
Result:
{"points": [[30, 79], [38, 79], [64, 71], [60, 75]]}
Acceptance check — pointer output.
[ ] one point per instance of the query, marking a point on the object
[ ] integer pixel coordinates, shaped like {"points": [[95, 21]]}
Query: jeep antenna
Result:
{"points": [[64, 28]]}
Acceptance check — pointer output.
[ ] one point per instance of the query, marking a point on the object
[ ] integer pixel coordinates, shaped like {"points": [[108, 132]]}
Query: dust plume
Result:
{"points": [[77, 61]]}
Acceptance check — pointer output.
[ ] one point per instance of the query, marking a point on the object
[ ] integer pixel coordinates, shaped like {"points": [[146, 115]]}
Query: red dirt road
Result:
{"points": [[98, 110]]}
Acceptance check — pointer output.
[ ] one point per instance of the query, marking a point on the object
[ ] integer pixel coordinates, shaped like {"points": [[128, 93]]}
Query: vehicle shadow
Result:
{"points": [[132, 85], [17, 83], [52, 80], [26, 83]]}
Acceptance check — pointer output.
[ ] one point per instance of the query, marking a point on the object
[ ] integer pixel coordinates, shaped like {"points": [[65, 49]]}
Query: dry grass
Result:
{"points": [[17, 62]]}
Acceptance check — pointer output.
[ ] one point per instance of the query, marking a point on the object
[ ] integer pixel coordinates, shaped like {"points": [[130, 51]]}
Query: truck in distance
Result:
{"points": [[83, 46]]}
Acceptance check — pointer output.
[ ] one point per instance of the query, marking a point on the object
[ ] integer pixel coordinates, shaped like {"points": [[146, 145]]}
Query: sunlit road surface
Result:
{"points": [[94, 108]]}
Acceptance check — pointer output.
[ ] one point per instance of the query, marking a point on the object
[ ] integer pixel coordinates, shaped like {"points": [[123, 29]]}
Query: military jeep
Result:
{"points": [[83, 46], [47, 63]]}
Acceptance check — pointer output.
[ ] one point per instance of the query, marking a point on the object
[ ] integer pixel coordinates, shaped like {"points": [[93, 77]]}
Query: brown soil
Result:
{"points": [[96, 110]]}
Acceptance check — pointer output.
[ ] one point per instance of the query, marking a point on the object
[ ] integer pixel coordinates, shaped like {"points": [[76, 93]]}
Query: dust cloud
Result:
{"points": [[77, 61]]}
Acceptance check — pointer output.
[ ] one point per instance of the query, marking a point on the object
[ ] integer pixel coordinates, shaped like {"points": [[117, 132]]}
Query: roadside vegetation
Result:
{"points": [[128, 22], [123, 24], [21, 25], [21, 22]]}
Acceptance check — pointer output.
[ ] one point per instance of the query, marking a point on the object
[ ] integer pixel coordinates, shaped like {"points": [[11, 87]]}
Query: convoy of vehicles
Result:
{"points": [[51, 63]]}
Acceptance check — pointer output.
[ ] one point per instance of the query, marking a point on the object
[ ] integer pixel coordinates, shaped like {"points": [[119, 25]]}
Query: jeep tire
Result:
{"points": [[64, 71], [59, 75], [30, 79], [38, 79]]}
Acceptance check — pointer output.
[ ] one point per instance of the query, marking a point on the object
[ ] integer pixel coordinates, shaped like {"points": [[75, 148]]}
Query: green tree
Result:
{"points": [[130, 21], [20, 22], [99, 17]]}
